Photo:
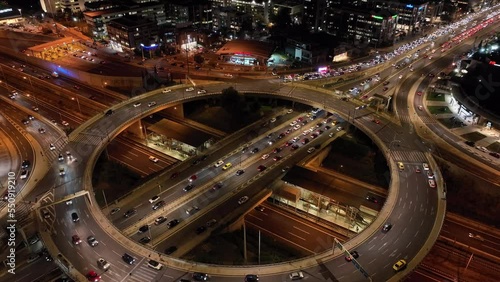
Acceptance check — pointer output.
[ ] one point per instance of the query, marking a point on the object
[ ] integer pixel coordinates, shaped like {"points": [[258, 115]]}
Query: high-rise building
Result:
{"points": [[129, 32]]}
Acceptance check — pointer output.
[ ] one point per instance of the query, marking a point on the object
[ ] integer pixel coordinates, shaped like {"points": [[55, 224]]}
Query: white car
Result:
{"points": [[166, 90], [243, 200], [153, 159], [62, 172], [189, 89], [24, 173], [310, 150], [137, 104], [154, 199], [150, 104], [52, 147], [202, 91], [154, 264], [103, 263], [425, 166], [265, 157], [296, 127], [65, 123], [293, 123], [273, 120], [296, 275], [219, 163]]}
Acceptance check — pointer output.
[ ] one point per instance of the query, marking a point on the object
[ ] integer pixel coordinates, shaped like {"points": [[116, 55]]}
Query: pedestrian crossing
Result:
{"points": [[408, 156], [140, 273], [143, 273]]}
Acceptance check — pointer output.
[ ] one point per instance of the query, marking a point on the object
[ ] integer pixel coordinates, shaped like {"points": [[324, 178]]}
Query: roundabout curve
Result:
{"points": [[414, 210]]}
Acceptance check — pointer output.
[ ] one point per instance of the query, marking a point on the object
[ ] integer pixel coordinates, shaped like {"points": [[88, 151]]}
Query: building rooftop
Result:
{"points": [[131, 21], [247, 47]]}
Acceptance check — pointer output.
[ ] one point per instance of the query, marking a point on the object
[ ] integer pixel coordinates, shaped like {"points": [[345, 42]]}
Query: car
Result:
{"points": [[108, 113], [251, 278], [228, 75], [482, 149], [25, 164], [170, 250], [102, 263], [166, 90], [430, 175], [137, 104], [401, 166], [432, 183], [425, 166], [385, 88], [41, 130], [198, 276], [420, 108], [46, 214], [371, 199], [219, 163], [354, 254], [386, 227], [75, 217], [158, 205], [192, 210], [130, 213], [211, 222], [62, 171], [200, 229], [289, 111], [310, 150], [93, 276], [113, 211], [145, 240], [202, 91], [143, 229], [417, 170], [30, 117], [34, 108], [277, 150], [217, 186], [76, 239], [52, 147], [150, 104], [24, 174], [128, 258], [243, 200], [189, 187], [154, 264], [69, 202], [174, 175], [331, 134], [153, 159], [495, 154], [172, 223], [189, 89], [192, 178], [265, 156], [154, 199], [293, 123], [386, 82], [272, 120], [260, 208], [277, 158], [296, 275], [399, 265], [376, 121], [279, 136], [294, 147], [92, 241], [240, 172], [261, 168], [60, 158], [254, 150], [159, 220], [227, 166], [65, 123]]}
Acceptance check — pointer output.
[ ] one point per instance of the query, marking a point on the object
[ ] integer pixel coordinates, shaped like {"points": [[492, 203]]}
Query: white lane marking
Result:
{"points": [[301, 229], [296, 236]]}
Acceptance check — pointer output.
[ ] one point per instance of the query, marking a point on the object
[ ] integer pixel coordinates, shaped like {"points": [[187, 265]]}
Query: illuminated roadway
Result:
{"points": [[414, 212], [416, 202]]}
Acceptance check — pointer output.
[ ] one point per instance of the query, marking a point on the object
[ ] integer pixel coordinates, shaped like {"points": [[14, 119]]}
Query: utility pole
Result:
{"points": [[244, 242]]}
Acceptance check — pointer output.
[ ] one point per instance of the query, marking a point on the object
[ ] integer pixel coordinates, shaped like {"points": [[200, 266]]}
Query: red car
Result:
{"points": [[376, 121], [419, 93], [261, 168], [93, 276]]}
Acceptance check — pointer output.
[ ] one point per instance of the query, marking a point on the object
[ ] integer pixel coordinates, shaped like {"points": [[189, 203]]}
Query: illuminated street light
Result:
{"points": [[78, 102]]}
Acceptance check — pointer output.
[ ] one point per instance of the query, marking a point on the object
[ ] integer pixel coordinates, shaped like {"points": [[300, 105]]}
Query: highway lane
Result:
{"points": [[292, 229], [136, 156], [188, 169]]}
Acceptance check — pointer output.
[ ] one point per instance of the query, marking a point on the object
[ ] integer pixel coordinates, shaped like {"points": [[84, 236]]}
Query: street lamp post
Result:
{"points": [[78, 103]]}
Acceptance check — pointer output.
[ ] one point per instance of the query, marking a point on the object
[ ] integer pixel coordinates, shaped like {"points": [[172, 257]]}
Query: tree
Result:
{"points": [[233, 102]]}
